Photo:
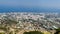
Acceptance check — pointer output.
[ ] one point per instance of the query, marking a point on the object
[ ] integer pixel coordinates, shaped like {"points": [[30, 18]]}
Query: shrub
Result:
{"points": [[33, 32]]}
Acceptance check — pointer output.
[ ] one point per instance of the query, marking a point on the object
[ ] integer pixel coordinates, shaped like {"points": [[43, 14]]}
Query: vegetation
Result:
{"points": [[57, 31], [33, 32], [3, 28], [2, 33], [11, 32]]}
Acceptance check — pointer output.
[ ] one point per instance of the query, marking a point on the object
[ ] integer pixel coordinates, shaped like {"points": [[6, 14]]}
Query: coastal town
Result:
{"points": [[20, 22]]}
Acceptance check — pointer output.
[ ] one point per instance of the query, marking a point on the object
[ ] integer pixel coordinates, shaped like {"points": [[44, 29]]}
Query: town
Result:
{"points": [[20, 22]]}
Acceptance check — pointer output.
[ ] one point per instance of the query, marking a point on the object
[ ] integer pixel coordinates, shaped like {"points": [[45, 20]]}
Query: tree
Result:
{"points": [[11, 32], [33, 32], [57, 31]]}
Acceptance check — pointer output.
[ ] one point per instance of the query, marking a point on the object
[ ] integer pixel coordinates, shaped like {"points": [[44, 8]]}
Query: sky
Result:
{"points": [[19, 3], [31, 3], [50, 3], [40, 3]]}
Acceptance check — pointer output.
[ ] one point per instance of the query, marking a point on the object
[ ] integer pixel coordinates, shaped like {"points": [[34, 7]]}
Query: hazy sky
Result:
{"points": [[39, 3], [50, 3], [19, 2]]}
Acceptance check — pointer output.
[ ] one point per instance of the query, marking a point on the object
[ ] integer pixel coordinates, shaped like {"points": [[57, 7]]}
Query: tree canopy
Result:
{"points": [[33, 32], [57, 31]]}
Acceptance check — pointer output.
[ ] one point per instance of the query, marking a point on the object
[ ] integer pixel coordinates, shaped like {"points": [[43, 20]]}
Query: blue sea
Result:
{"points": [[29, 9]]}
